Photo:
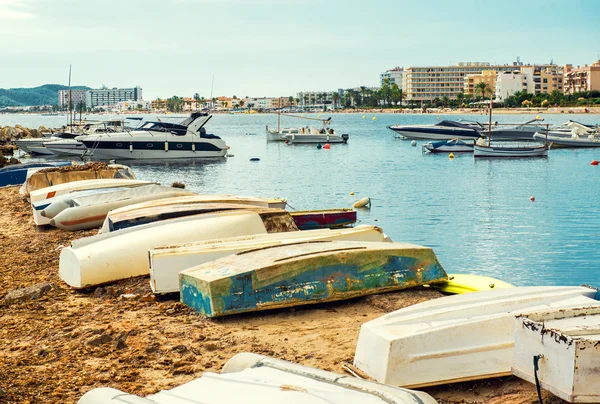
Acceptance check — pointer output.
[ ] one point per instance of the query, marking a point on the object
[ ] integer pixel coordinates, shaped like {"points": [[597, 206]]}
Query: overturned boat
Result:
{"points": [[147, 212], [166, 262], [456, 338], [80, 212], [264, 380], [304, 273], [122, 254]]}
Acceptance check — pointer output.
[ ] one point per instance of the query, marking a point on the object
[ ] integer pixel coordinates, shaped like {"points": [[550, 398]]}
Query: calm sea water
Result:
{"points": [[475, 214]]}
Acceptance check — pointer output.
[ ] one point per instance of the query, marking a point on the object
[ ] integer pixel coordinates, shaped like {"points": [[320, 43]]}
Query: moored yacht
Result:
{"points": [[159, 140], [443, 130]]}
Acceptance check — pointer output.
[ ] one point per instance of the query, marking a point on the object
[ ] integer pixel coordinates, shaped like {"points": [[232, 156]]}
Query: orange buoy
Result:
{"points": [[595, 162], [327, 146], [532, 198]]}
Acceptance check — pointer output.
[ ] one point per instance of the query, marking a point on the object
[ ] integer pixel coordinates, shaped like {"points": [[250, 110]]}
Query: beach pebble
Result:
{"points": [[30, 293]]}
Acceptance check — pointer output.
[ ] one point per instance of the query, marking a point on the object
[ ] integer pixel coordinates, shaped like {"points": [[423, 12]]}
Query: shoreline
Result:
{"points": [[57, 347]]}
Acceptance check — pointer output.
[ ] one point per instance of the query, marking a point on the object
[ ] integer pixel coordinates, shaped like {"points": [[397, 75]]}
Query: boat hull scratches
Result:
{"points": [[325, 279]]}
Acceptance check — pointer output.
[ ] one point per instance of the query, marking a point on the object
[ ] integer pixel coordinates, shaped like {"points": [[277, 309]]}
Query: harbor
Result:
{"points": [[72, 327]]}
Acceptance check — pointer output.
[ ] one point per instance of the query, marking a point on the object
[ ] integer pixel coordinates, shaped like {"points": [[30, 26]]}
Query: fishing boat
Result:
{"points": [[305, 273], [47, 177], [109, 257], [443, 130], [80, 212], [307, 134], [468, 283], [506, 150], [449, 146], [456, 338], [159, 140], [324, 219], [166, 262], [558, 351], [263, 380], [16, 174], [510, 150], [145, 212]]}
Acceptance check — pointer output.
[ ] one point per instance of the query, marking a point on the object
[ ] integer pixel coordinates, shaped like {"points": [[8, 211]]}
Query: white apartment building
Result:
{"points": [[315, 98], [394, 76], [106, 96], [77, 97], [508, 83]]}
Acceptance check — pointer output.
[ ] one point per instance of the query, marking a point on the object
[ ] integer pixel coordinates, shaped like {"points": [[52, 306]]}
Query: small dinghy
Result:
{"points": [[455, 338], [305, 273], [262, 380], [324, 219], [42, 198], [16, 174], [59, 175], [449, 146], [80, 212], [166, 262], [564, 345], [168, 208], [122, 254]]}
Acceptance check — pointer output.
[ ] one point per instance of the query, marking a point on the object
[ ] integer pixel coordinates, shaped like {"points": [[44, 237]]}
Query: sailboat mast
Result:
{"points": [[69, 103], [490, 122], [279, 116]]}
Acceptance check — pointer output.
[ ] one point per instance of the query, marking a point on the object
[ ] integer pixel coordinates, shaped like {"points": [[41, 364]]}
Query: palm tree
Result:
{"points": [[483, 89], [336, 98]]}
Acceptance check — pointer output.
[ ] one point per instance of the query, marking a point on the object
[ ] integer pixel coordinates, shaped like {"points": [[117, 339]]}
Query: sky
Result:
{"points": [[277, 47]]}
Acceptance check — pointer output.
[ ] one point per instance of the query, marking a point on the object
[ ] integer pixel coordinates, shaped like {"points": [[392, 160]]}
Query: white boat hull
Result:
{"points": [[87, 212], [568, 342], [510, 151], [107, 154], [68, 187], [123, 254], [455, 338], [167, 262], [40, 150], [73, 148], [262, 380], [321, 138]]}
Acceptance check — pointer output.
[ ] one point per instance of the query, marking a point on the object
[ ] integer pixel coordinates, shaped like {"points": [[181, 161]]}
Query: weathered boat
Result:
{"points": [[263, 380], [560, 349], [508, 150], [42, 198], [304, 273], [166, 262], [455, 338], [109, 257], [467, 283], [324, 219], [80, 212], [147, 212], [56, 175], [17, 173]]}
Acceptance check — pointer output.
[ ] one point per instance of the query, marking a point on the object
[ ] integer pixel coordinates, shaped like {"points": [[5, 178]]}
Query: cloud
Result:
{"points": [[14, 9]]}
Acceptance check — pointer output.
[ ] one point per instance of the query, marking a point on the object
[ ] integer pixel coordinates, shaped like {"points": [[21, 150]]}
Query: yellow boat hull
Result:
{"points": [[465, 283]]}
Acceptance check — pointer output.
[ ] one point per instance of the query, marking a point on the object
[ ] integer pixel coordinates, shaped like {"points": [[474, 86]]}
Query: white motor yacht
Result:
{"points": [[159, 140]]}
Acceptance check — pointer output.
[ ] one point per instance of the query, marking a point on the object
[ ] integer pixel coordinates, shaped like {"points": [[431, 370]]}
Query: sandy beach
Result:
{"points": [[55, 348]]}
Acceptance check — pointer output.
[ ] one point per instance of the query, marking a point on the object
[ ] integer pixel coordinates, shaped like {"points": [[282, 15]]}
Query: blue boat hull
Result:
{"points": [[17, 174]]}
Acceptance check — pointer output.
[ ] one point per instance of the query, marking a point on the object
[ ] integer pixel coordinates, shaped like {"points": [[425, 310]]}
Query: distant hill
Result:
{"points": [[42, 95]]}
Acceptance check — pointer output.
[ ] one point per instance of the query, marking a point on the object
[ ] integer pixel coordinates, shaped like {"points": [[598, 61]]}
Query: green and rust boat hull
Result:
{"points": [[306, 273]]}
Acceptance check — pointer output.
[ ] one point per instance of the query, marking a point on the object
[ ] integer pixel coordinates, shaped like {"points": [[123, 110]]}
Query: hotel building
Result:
{"points": [[579, 79], [106, 96], [394, 76], [77, 97], [430, 82]]}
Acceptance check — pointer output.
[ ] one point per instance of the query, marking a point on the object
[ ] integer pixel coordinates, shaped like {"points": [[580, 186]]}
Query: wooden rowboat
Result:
{"points": [[166, 262], [455, 338], [259, 379], [304, 273]]}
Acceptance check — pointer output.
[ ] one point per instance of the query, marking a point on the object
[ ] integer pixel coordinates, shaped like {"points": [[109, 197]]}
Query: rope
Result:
{"points": [[536, 359]]}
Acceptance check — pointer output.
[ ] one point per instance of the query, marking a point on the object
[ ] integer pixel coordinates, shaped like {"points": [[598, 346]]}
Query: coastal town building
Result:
{"points": [[77, 98], [472, 81], [394, 76], [123, 106], [426, 83], [106, 96], [509, 83], [316, 99], [585, 78]]}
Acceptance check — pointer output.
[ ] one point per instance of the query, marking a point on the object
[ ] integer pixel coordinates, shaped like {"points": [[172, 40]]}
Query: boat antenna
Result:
{"points": [[279, 116]]}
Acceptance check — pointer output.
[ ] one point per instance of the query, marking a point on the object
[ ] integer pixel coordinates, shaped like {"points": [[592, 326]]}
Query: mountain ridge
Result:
{"points": [[46, 94]]}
